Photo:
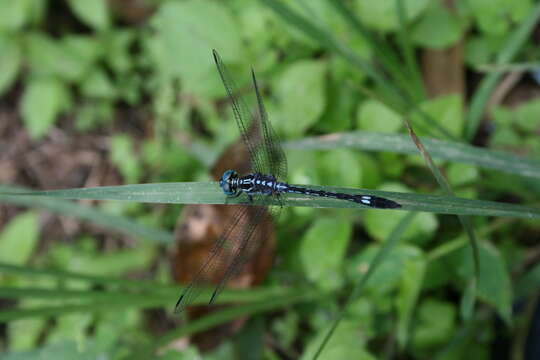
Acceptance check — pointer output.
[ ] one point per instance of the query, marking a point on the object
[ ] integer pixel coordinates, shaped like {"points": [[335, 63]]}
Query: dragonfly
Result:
{"points": [[261, 185]]}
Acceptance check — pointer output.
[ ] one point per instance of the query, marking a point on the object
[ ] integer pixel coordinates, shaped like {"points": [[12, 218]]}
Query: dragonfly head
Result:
{"points": [[226, 182]]}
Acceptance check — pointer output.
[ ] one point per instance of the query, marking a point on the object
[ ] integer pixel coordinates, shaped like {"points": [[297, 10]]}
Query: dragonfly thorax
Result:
{"points": [[251, 184]]}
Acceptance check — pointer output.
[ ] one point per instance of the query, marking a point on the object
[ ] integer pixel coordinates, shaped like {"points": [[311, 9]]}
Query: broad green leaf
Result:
{"points": [[72, 326], [10, 62], [14, 14], [522, 117], [347, 343], [326, 38], [37, 12], [462, 174], [254, 24], [19, 239], [505, 137], [339, 167], [447, 110], [96, 84], [119, 54], [286, 328], [494, 285], [324, 13], [183, 43], [371, 174], [482, 49], [300, 93], [322, 251], [114, 326], [495, 16], [122, 150], [383, 15], [24, 335], [86, 49], [436, 322], [42, 102], [94, 114], [341, 100], [379, 225], [389, 274], [375, 116], [68, 58], [438, 28], [93, 13], [526, 115]]}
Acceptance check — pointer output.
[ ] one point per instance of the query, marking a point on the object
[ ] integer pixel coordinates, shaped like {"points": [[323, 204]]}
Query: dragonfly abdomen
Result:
{"points": [[368, 200]]}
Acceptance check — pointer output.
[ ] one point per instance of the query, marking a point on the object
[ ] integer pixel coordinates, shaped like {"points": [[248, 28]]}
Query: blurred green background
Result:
{"points": [[104, 93]]}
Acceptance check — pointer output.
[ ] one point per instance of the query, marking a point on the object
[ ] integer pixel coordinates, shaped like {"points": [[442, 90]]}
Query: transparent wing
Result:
{"points": [[245, 251], [223, 254], [272, 155], [251, 137]]}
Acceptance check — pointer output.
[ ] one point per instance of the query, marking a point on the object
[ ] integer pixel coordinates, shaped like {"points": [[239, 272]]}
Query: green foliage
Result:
{"points": [[18, 239], [183, 41], [10, 62], [93, 13], [436, 323], [374, 116], [122, 155], [322, 250], [63, 350], [438, 28], [300, 92], [382, 15], [494, 282], [447, 110], [496, 17], [346, 344], [322, 67], [42, 102]]}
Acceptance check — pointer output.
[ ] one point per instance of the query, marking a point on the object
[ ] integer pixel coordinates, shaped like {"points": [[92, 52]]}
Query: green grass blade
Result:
{"points": [[68, 208], [393, 65], [469, 297], [507, 54], [220, 317], [384, 54], [506, 68], [445, 150], [326, 40], [65, 294], [210, 193], [58, 310], [60, 275]]}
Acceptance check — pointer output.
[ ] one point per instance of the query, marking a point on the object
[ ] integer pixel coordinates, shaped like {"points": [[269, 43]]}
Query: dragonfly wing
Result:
{"points": [[273, 157], [247, 248], [242, 115], [219, 259]]}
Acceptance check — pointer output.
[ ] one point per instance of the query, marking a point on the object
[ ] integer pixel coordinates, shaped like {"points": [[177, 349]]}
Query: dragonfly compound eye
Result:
{"points": [[226, 182]]}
